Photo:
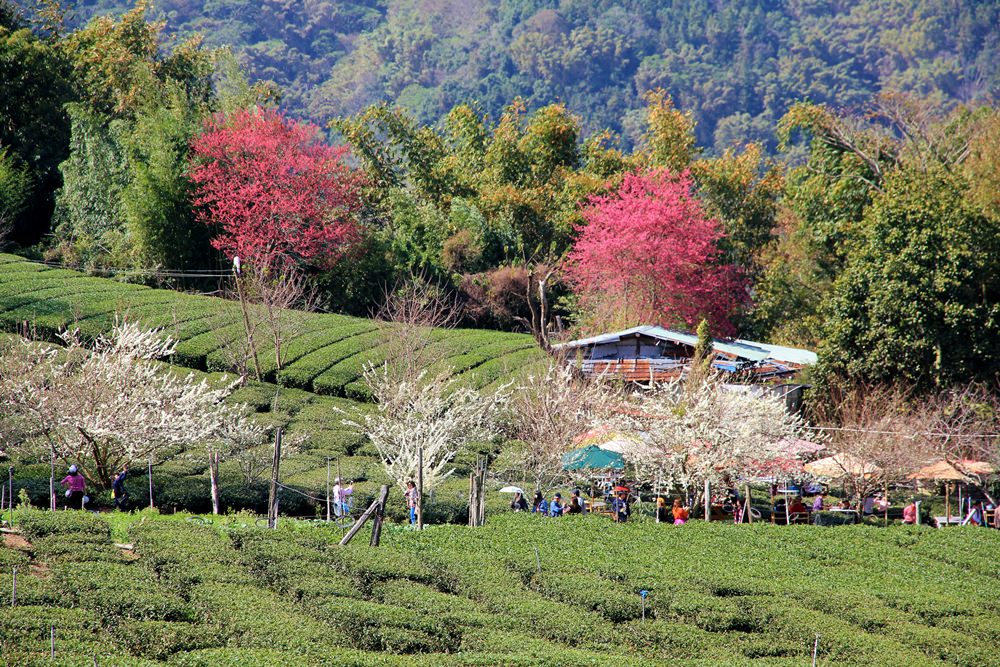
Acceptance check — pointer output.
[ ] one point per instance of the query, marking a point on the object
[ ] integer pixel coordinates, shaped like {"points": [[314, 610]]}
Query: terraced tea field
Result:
{"points": [[721, 595], [327, 355]]}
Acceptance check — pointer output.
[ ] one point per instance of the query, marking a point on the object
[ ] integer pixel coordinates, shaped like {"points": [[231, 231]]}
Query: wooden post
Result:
{"points": [[947, 503], [328, 488], [748, 515], [420, 488], [52, 482], [774, 485], [213, 477], [246, 323], [272, 496], [708, 501], [918, 512], [10, 493], [383, 494], [379, 516], [885, 521], [472, 497], [788, 516], [482, 496], [52, 642], [149, 476], [13, 591]]}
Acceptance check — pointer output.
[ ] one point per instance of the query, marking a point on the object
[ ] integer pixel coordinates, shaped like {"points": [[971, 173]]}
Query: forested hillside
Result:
{"points": [[737, 66]]}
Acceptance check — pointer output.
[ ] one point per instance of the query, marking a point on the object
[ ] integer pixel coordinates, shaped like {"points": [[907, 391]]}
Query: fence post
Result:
{"points": [[328, 488], [708, 501], [52, 482], [13, 591], [272, 497], [149, 476], [420, 488], [52, 642], [379, 517]]}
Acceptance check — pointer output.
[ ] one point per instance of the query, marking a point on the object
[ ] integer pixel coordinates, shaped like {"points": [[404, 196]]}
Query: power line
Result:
{"points": [[156, 273], [928, 434]]}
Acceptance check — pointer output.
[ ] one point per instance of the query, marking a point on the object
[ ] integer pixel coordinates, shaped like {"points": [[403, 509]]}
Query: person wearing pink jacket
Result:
{"points": [[76, 488]]}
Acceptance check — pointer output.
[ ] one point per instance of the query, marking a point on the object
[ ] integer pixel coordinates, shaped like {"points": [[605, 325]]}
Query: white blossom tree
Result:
{"points": [[430, 413], [112, 403], [694, 434], [548, 410]]}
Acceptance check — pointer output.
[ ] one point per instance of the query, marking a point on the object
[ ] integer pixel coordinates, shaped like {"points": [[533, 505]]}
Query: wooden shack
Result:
{"points": [[655, 354]]}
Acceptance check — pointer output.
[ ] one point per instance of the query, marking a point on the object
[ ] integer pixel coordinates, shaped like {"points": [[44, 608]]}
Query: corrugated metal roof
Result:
{"points": [[792, 355], [739, 348]]}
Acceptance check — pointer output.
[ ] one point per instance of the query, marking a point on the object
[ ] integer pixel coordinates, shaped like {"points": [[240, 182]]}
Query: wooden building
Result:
{"points": [[655, 354]]}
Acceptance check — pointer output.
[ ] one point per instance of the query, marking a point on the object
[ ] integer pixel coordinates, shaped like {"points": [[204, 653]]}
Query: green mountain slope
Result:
{"points": [[736, 65]]}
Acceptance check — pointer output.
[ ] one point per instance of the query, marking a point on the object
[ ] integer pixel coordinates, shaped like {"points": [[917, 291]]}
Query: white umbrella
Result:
{"points": [[512, 489]]}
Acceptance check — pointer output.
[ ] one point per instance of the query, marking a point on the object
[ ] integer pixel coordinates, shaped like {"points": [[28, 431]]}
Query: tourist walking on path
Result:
{"points": [[76, 488], [118, 491], [411, 500]]}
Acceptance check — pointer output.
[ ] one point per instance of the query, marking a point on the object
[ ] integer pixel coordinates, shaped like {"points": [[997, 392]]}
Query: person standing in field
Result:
{"points": [[342, 497], [680, 513], [118, 492], [818, 502], [411, 500], [76, 488], [910, 513]]}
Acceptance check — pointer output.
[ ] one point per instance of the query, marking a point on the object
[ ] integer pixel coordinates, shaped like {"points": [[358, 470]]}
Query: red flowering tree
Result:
{"points": [[648, 254], [277, 193]]}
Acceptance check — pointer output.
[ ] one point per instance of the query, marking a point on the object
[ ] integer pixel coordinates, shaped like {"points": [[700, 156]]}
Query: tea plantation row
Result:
{"points": [[327, 354], [194, 595]]}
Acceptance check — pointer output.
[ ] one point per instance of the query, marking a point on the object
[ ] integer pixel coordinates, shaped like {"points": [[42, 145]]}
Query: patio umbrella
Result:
{"points": [[592, 458], [512, 489], [840, 465], [942, 470]]}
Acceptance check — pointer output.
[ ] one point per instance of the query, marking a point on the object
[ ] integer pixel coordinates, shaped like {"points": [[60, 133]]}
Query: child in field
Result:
{"points": [[680, 513]]}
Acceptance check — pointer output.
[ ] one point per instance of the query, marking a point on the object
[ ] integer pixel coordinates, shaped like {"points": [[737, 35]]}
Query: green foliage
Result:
{"points": [[918, 299]]}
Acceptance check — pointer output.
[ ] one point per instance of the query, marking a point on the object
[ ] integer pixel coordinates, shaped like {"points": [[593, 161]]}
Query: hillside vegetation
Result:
{"points": [[720, 595], [327, 356], [737, 66]]}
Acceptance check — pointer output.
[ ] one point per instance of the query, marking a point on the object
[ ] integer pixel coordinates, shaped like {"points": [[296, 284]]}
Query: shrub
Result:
{"points": [[40, 523]]}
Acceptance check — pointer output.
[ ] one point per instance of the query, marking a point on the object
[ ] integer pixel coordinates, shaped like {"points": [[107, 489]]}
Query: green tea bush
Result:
{"points": [[118, 591], [40, 523], [158, 640]]}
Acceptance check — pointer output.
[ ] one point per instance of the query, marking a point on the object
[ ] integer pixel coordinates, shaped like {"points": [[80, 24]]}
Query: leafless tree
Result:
{"points": [[547, 411], [412, 311]]}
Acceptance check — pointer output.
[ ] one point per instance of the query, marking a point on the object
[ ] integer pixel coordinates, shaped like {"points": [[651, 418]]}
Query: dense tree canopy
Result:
{"points": [[276, 192], [734, 66], [648, 253]]}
